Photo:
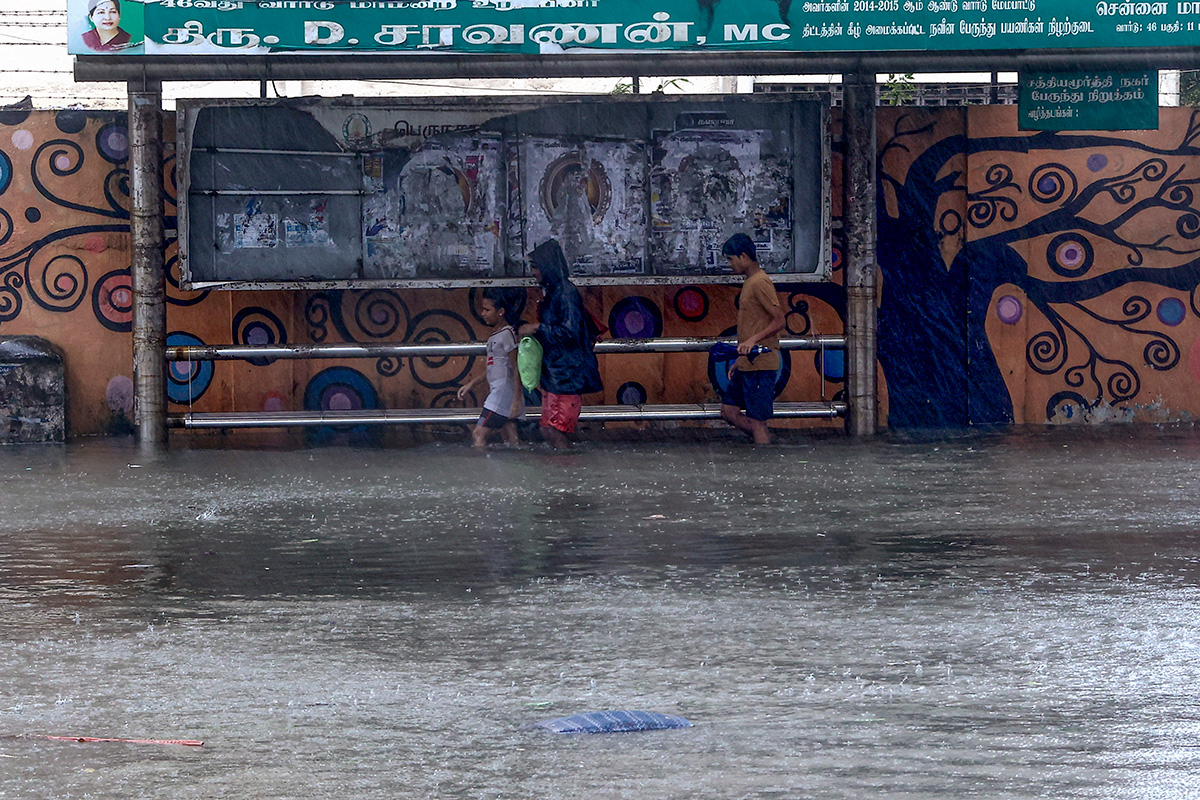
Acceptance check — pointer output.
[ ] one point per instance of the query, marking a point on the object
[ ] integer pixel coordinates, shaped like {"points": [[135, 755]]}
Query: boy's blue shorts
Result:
{"points": [[753, 391]]}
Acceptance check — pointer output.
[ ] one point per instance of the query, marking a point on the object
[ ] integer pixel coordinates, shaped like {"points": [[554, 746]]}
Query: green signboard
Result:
{"points": [[185, 27], [1089, 101]]}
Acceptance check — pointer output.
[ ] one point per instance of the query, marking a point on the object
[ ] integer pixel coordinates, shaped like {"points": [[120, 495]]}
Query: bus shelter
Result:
{"points": [[1077, 46]]}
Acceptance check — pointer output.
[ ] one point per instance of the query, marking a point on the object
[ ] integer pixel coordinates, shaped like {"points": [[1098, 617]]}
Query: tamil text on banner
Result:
{"points": [[184, 27]]}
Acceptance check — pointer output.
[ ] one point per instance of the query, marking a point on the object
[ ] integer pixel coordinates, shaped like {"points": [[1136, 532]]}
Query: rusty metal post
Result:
{"points": [[858, 127], [147, 265]]}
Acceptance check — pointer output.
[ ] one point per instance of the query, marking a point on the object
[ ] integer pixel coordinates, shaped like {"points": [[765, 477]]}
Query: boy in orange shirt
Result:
{"points": [[759, 321]]}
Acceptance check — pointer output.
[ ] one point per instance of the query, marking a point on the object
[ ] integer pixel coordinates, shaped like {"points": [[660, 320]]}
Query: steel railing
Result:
{"points": [[440, 416]]}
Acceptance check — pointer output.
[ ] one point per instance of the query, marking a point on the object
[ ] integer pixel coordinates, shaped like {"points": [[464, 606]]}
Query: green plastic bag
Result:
{"points": [[529, 362]]}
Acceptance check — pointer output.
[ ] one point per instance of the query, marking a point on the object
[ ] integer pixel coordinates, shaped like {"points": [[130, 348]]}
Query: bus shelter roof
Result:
{"points": [[385, 66]]}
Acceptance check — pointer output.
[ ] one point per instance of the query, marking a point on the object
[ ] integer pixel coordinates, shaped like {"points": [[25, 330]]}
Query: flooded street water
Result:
{"points": [[1006, 615]]}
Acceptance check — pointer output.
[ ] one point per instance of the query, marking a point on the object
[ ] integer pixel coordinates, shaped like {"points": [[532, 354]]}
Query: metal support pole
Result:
{"points": [[147, 266], [858, 126]]}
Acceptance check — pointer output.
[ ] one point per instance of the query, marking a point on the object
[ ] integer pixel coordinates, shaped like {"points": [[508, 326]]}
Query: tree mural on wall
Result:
{"points": [[1079, 224]]}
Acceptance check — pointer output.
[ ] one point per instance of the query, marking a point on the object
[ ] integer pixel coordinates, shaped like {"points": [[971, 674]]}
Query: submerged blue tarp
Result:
{"points": [[615, 722]]}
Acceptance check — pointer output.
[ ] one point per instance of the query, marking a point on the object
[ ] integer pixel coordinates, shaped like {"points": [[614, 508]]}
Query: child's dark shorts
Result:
{"points": [[491, 420], [753, 391]]}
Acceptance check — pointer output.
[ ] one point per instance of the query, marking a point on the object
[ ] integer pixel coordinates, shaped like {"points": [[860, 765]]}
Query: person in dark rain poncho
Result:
{"points": [[569, 367]]}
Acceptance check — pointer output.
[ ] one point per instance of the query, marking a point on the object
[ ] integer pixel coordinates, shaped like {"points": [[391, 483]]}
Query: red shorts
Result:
{"points": [[560, 411]]}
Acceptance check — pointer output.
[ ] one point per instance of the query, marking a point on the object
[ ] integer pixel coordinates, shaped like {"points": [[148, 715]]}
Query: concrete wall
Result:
{"points": [[1025, 278], [1033, 277], [64, 275]]}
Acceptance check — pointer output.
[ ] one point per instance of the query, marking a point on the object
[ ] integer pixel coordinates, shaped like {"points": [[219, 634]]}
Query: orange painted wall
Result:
{"points": [[1038, 277], [1025, 278], [64, 275]]}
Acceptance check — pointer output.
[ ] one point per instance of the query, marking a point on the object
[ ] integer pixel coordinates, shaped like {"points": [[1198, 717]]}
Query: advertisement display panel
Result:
{"points": [[711, 183], [367, 193], [233, 27], [587, 193], [435, 210]]}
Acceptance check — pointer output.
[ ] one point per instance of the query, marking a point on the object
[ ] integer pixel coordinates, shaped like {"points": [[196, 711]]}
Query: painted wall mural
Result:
{"points": [[64, 251], [64, 275], [1045, 276], [1026, 277]]}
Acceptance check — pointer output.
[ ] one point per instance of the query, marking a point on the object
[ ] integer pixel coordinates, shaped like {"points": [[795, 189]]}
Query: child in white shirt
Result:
{"points": [[505, 403]]}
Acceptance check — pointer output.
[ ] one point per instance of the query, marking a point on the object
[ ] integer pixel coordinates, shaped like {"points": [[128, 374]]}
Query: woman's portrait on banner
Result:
{"points": [[106, 30]]}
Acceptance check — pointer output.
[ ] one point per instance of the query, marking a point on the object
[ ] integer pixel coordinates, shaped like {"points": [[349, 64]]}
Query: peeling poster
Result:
{"points": [[310, 232], [436, 213], [590, 197], [254, 229], [709, 185]]}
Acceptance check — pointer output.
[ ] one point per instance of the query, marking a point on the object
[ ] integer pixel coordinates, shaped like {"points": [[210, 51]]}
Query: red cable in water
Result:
{"points": [[184, 742]]}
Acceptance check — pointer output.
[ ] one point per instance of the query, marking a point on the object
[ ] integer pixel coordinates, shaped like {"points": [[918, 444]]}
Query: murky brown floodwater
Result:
{"points": [[991, 615]]}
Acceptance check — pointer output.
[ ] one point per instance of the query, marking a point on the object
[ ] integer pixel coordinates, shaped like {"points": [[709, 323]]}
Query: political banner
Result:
{"points": [[186, 27]]}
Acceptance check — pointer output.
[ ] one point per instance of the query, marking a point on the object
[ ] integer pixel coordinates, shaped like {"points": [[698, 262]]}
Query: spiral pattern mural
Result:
{"points": [[1023, 278]]}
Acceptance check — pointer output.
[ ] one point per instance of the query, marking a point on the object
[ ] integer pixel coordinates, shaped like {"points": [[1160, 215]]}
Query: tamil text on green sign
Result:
{"points": [[183, 27], [1089, 101]]}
